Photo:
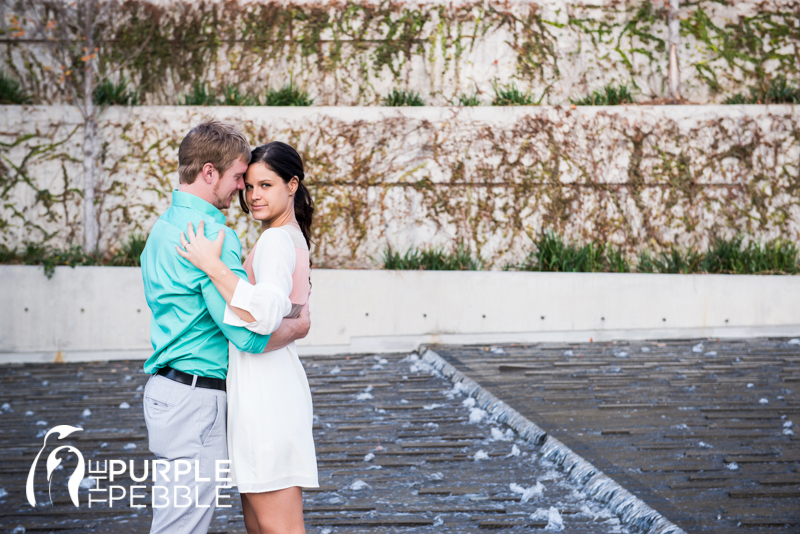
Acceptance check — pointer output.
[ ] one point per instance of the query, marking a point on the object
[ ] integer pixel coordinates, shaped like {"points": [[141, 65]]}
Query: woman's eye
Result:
{"points": [[248, 187]]}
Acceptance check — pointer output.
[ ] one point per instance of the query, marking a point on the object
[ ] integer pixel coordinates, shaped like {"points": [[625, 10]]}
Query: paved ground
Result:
{"points": [[400, 450], [703, 431]]}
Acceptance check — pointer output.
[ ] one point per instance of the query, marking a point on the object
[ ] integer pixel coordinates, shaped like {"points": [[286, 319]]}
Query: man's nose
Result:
{"points": [[240, 184]]}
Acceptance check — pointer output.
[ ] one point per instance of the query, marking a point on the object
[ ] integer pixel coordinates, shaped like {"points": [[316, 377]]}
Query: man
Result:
{"points": [[184, 402]]}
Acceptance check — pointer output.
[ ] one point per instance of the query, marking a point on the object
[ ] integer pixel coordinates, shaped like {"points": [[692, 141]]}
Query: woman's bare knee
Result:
{"points": [[278, 512]]}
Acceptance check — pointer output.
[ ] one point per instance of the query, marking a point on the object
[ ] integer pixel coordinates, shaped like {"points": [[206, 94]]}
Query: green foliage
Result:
{"points": [[610, 95], [509, 95], [130, 252], [50, 257], [109, 93], [733, 257], [11, 91], [288, 95], [469, 100], [553, 254], [738, 98], [231, 96], [433, 259], [199, 96], [672, 261], [778, 90], [403, 98], [616, 260], [47, 257]]}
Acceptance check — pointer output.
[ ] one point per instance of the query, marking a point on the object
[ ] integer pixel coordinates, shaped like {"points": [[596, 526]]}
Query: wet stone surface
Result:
{"points": [[704, 431], [400, 449]]}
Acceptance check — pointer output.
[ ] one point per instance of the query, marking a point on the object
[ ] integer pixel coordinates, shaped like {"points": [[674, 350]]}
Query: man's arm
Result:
{"points": [[290, 330]]}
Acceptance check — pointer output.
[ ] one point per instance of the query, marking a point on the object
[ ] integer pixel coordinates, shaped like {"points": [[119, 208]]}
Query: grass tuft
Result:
{"points": [[553, 254], [610, 95], [509, 95], [109, 93], [199, 96], [434, 259], [231, 96], [734, 257], [778, 90], [128, 255], [11, 92], [399, 98], [469, 100], [49, 258], [288, 95], [672, 261]]}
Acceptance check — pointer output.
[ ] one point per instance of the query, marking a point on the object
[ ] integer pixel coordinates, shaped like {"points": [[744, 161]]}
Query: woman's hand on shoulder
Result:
{"points": [[198, 249]]}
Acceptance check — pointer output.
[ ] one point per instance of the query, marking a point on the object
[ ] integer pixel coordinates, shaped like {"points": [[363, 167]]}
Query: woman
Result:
{"points": [[270, 415]]}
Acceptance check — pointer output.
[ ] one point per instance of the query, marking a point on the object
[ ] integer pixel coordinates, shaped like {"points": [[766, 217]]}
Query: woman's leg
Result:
{"points": [[278, 512], [250, 519]]}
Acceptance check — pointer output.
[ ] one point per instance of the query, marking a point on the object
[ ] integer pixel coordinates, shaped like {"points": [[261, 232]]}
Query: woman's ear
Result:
{"points": [[294, 183]]}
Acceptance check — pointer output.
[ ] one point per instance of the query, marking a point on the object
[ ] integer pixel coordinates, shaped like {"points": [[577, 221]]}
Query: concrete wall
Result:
{"points": [[98, 313], [356, 52], [489, 178]]}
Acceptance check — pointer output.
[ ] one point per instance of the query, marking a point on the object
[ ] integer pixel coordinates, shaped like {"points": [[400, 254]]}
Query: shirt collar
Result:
{"points": [[188, 200]]}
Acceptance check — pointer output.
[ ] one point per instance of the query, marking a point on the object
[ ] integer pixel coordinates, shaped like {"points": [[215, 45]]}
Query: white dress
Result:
{"points": [[270, 415]]}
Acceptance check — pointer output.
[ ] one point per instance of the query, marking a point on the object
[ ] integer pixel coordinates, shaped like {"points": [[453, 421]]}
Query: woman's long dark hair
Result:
{"points": [[284, 161]]}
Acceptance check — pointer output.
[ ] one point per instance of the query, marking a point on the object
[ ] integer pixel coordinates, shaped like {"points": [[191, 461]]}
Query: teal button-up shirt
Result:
{"points": [[186, 328]]}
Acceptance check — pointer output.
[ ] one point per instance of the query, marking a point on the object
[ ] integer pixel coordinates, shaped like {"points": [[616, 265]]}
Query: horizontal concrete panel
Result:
{"points": [[490, 179], [90, 313]]}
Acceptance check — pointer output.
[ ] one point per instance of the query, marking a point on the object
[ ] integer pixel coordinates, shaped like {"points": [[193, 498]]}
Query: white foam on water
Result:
{"points": [[476, 415], [528, 493], [480, 455], [359, 485], [554, 521]]}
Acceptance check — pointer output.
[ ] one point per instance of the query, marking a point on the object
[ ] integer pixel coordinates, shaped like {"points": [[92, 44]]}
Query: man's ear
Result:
{"points": [[294, 183], [209, 173]]}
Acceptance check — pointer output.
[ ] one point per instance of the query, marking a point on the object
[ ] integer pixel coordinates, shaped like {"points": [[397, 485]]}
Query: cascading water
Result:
{"points": [[631, 510]]}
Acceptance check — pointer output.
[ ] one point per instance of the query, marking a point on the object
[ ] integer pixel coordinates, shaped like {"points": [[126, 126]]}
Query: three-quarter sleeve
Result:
{"points": [[268, 300]]}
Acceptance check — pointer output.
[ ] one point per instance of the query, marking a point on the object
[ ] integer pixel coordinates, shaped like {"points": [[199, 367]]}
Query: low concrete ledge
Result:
{"points": [[99, 313]]}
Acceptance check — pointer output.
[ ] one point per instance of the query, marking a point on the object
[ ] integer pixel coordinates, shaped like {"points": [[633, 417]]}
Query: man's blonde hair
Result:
{"points": [[210, 142]]}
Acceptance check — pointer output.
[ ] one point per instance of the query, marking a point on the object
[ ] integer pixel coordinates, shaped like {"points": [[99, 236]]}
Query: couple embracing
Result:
{"points": [[226, 379]]}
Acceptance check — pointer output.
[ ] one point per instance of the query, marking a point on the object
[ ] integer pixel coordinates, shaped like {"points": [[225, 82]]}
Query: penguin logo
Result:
{"points": [[53, 461]]}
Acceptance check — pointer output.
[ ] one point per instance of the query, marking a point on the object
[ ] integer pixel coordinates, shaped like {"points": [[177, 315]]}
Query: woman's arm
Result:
{"points": [[290, 330], [205, 255]]}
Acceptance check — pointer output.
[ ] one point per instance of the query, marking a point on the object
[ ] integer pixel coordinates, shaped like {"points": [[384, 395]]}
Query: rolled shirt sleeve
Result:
{"points": [[268, 300]]}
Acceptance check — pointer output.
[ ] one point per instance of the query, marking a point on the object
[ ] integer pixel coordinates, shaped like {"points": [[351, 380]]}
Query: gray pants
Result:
{"points": [[186, 427]]}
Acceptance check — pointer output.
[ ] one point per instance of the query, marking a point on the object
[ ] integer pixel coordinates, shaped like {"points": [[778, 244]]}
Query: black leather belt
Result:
{"points": [[186, 378]]}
